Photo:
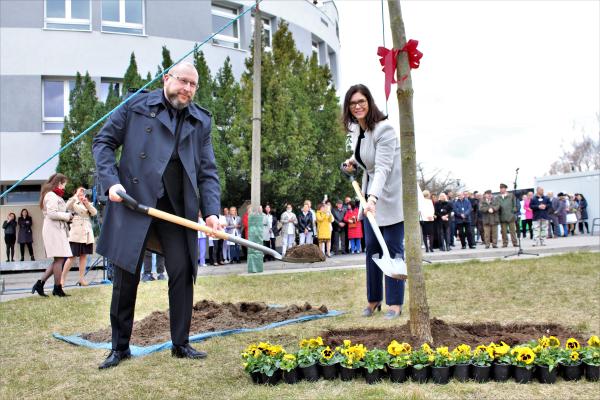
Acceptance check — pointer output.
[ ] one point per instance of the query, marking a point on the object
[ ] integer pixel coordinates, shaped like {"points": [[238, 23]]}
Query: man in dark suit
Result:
{"points": [[167, 162]]}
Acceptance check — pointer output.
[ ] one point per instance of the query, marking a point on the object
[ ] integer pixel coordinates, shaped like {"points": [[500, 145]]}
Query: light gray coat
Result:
{"points": [[380, 153]]}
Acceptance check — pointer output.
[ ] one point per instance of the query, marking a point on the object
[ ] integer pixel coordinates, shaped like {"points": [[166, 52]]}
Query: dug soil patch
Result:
{"points": [[304, 253], [209, 316], [452, 335]]}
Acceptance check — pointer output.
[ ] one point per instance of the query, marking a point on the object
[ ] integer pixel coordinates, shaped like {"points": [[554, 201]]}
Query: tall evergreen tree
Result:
{"points": [[132, 79], [204, 93], [77, 162]]}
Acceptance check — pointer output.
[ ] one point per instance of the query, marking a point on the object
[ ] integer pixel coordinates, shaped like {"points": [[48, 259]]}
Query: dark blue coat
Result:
{"points": [[143, 128], [462, 207], [538, 213]]}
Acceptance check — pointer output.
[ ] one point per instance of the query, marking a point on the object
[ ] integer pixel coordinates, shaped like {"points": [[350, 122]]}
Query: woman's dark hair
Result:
{"points": [[27, 211], [374, 115], [51, 184], [13, 214]]}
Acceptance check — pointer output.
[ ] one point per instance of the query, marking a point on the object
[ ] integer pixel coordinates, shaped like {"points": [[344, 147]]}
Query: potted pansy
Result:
{"points": [[374, 364], [481, 363], [399, 361], [501, 365], [462, 357], [546, 360], [288, 365], [264, 359], [351, 360], [440, 368], [570, 361], [523, 358], [251, 365], [420, 360], [308, 355], [590, 356], [328, 361]]}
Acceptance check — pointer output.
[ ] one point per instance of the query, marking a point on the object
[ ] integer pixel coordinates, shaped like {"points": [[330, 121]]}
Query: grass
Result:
{"points": [[563, 289]]}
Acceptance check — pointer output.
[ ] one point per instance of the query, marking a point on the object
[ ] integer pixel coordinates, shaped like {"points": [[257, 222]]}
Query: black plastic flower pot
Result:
{"points": [[440, 375], [256, 377], [398, 375], [480, 373], [419, 375], [592, 372], [310, 373], [571, 372], [501, 372], [522, 374], [273, 379], [347, 374], [291, 377], [461, 372], [544, 375], [373, 377], [329, 372]]}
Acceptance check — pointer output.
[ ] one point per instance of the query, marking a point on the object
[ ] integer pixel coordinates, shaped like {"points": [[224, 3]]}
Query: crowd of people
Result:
{"points": [[472, 217]]}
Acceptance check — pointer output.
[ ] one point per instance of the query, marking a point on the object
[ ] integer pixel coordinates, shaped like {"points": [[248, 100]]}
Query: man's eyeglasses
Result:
{"points": [[185, 82], [362, 103]]}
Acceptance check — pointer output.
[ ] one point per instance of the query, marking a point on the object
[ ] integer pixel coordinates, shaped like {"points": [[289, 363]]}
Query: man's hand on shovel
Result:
{"points": [[213, 223]]}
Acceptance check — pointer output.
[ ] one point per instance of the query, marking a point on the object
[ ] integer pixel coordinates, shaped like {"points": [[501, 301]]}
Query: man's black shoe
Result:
{"points": [[187, 351], [114, 358]]}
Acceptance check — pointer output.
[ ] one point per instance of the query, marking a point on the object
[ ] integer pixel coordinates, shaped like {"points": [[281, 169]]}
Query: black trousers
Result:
{"points": [[338, 241], [29, 247], [9, 240], [465, 233], [179, 266]]}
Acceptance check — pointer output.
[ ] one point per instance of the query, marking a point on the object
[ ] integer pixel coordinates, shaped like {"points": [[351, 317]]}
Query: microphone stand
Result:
{"points": [[519, 252]]}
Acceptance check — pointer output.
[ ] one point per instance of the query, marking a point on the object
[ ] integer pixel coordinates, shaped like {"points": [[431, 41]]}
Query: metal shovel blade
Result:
{"points": [[392, 267]]}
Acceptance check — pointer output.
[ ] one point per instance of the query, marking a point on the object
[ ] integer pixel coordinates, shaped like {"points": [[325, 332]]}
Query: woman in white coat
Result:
{"points": [[376, 150], [81, 234], [55, 232]]}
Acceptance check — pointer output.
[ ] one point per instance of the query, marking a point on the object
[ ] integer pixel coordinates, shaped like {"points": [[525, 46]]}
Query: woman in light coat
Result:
{"points": [[427, 221], [288, 229], [55, 232], [376, 150], [81, 235]]}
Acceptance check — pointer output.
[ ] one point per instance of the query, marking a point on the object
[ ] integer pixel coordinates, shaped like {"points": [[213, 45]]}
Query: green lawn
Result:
{"points": [[563, 289]]}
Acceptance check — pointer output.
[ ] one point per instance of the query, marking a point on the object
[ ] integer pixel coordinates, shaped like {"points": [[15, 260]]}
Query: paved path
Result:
{"points": [[15, 282]]}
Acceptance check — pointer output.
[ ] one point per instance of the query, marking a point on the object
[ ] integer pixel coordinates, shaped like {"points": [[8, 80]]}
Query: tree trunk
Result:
{"points": [[418, 307]]}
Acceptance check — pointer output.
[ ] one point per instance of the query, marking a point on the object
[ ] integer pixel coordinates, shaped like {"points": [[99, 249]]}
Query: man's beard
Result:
{"points": [[174, 100]]}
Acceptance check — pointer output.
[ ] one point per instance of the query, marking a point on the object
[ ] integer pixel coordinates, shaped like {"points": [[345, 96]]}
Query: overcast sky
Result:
{"points": [[502, 84]]}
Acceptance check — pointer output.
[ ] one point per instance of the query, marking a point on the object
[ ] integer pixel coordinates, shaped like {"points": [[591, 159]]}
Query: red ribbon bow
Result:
{"points": [[389, 57]]}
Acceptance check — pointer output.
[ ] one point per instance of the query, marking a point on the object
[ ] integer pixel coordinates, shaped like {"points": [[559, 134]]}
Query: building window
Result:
{"points": [[55, 103], [222, 16], [315, 50], [67, 14], [123, 16], [105, 85], [267, 32]]}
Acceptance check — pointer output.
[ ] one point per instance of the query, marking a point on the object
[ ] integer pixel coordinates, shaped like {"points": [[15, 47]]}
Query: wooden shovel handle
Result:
{"points": [[363, 202], [186, 222]]}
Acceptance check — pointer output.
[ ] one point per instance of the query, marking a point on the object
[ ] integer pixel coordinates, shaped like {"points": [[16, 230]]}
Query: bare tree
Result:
{"points": [[418, 308], [583, 155], [438, 180]]}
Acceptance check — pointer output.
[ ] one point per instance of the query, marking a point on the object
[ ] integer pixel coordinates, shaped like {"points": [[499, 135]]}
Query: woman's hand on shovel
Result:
{"points": [[213, 223], [370, 206]]}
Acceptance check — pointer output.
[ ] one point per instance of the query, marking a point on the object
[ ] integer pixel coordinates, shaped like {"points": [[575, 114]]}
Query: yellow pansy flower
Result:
{"points": [[544, 342], [554, 342], [594, 341], [327, 353], [407, 347], [464, 349], [526, 355], [574, 356], [347, 343], [395, 348], [572, 344], [290, 357], [502, 349]]}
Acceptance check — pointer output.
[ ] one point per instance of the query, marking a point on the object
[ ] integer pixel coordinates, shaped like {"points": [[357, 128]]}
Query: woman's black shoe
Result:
{"points": [[39, 288], [58, 291]]}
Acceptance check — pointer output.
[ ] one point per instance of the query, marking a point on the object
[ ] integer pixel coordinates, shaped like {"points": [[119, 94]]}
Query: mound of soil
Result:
{"points": [[209, 316], [304, 253], [452, 335]]}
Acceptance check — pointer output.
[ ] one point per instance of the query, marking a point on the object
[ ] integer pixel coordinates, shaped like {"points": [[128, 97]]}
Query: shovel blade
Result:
{"points": [[392, 267]]}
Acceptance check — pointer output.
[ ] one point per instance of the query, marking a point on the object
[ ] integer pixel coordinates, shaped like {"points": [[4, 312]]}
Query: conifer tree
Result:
{"points": [[132, 79]]}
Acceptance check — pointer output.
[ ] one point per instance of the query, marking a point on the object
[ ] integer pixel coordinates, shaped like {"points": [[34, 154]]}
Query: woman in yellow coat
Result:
{"points": [[324, 220]]}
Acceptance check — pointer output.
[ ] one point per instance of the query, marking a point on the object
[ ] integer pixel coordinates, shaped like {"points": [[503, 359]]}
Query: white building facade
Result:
{"points": [[44, 43]]}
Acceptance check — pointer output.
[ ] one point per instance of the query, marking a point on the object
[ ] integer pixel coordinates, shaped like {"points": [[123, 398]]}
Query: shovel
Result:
{"points": [[133, 204], [392, 267]]}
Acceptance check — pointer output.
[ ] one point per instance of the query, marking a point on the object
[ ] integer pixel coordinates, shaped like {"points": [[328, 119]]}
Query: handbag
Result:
{"points": [[571, 218]]}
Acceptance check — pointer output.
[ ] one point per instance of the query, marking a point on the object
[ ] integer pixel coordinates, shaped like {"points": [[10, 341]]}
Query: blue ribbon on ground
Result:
{"points": [[137, 351]]}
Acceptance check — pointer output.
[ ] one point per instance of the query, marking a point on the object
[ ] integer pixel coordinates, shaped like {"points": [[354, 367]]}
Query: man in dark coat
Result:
{"points": [[167, 162], [462, 218], [338, 235]]}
